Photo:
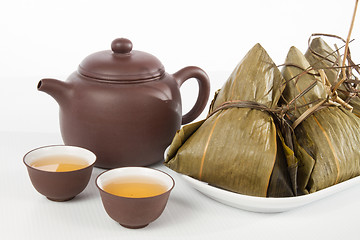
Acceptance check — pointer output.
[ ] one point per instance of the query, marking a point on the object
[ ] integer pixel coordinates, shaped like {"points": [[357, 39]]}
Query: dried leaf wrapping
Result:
{"points": [[321, 56], [327, 142], [238, 149]]}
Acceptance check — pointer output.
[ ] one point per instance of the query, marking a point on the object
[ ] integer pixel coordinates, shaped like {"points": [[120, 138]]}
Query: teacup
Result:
{"points": [[134, 196], [59, 172]]}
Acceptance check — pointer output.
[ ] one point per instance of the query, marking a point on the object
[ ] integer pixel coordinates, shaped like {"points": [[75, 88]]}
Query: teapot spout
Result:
{"points": [[59, 90]]}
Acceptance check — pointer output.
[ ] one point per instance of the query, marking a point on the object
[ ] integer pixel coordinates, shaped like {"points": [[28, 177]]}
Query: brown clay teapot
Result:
{"points": [[123, 106]]}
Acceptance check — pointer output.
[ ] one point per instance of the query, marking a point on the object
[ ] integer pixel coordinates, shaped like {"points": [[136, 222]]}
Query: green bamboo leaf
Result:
{"points": [[238, 149], [327, 142], [321, 56]]}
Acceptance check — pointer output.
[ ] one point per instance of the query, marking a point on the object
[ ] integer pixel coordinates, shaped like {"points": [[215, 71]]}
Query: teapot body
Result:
{"points": [[123, 106], [124, 124]]}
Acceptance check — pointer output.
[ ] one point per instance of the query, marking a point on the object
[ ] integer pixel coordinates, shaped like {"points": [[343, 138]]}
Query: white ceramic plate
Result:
{"points": [[261, 204], [266, 205]]}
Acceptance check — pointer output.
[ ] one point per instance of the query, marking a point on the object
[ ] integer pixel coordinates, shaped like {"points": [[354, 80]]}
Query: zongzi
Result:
{"points": [[321, 56], [327, 142], [237, 146]]}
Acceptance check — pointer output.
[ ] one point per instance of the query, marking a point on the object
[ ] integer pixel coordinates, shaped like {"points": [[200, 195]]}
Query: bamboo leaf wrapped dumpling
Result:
{"points": [[237, 148], [321, 56], [328, 141]]}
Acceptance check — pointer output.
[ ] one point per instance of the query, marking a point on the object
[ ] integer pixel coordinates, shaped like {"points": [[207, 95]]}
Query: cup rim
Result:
{"points": [[59, 145], [152, 169]]}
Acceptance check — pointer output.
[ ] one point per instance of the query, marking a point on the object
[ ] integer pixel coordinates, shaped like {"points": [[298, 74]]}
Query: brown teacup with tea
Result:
{"points": [[134, 196], [59, 172]]}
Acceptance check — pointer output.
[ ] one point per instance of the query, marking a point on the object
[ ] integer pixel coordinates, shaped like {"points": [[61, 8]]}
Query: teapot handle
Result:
{"points": [[204, 90]]}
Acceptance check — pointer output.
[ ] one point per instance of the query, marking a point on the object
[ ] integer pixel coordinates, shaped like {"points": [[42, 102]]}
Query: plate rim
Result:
{"points": [[265, 204]]}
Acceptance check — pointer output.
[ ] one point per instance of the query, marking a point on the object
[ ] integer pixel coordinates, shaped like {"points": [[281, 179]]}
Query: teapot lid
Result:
{"points": [[121, 63]]}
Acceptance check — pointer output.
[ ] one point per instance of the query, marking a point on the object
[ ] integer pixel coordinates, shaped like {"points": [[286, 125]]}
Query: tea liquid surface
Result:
{"points": [[135, 187], [60, 163]]}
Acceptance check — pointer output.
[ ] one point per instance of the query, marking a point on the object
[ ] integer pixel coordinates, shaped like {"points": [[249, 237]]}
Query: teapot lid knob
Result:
{"points": [[121, 45], [121, 64]]}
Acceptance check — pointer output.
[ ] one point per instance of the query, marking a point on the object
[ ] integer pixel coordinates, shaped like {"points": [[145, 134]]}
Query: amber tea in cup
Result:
{"points": [[135, 187], [60, 163], [134, 196], [60, 172]]}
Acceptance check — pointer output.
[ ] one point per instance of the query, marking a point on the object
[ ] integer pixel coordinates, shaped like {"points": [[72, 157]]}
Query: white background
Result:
{"points": [[41, 39]]}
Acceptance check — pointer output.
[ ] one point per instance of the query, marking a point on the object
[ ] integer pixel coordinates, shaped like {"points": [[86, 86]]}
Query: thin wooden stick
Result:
{"points": [[307, 113], [333, 96], [346, 49]]}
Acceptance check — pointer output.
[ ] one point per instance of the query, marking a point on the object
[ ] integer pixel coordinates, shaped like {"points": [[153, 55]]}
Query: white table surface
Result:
{"points": [[25, 214], [42, 39]]}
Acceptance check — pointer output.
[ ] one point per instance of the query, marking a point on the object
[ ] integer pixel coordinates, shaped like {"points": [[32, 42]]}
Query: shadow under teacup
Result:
{"points": [[59, 172], [134, 196]]}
